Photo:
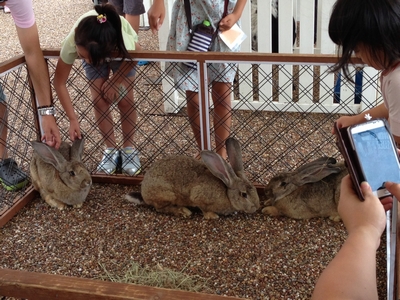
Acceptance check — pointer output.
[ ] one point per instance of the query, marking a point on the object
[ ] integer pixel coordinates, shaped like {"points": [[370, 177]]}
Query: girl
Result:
{"points": [[221, 75], [94, 37], [371, 29]]}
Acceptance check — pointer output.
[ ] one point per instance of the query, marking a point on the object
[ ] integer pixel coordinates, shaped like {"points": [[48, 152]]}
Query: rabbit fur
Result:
{"points": [[310, 191], [176, 182], [59, 175]]}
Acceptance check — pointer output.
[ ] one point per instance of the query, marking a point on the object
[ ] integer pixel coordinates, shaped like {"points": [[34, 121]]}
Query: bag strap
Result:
{"points": [[189, 14]]}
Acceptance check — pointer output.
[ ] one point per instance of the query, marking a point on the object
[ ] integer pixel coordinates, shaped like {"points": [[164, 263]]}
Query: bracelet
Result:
{"points": [[47, 111]]}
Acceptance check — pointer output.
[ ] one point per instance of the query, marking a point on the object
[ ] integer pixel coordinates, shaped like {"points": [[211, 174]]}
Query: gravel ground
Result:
{"points": [[248, 256]]}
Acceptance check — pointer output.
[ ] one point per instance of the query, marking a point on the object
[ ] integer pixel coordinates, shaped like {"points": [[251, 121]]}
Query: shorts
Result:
{"points": [[130, 7], [103, 70], [2, 95]]}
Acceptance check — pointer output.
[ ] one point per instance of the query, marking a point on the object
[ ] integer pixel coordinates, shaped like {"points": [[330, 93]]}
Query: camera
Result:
{"points": [[370, 155]]}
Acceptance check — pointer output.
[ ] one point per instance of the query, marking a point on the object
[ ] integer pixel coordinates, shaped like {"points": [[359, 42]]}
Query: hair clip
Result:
{"points": [[101, 18]]}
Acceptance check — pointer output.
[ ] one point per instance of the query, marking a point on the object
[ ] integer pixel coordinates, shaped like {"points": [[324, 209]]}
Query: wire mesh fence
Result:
{"points": [[282, 111]]}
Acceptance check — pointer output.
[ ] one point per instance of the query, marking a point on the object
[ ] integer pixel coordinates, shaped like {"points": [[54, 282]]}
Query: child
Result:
{"points": [[370, 29], [220, 74], [93, 38]]}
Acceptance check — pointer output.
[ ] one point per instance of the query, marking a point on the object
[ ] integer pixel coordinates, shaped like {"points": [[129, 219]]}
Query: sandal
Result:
{"points": [[12, 178]]}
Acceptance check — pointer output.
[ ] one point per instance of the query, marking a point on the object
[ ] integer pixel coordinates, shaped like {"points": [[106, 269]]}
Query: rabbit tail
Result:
{"points": [[135, 197]]}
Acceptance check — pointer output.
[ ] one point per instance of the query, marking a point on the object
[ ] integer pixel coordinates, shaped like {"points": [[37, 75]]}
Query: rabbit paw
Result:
{"points": [[210, 215], [79, 205], [185, 212], [335, 218], [271, 211], [54, 203]]}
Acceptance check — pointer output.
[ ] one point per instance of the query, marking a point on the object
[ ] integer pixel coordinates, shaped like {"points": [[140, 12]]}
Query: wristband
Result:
{"points": [[47, 111]]}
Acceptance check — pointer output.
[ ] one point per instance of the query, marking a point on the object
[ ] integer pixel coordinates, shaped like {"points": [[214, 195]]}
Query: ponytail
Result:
{"points": [[101, 35]]}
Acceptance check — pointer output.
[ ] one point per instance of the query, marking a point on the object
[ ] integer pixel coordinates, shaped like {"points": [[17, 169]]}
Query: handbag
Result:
{"points": [[202, 35]]}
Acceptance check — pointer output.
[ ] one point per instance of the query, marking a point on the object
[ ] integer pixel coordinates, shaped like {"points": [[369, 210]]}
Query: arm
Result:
{"points": [[39, 75], [60, 79], [156, 15], [231, 19], [352, 273]]}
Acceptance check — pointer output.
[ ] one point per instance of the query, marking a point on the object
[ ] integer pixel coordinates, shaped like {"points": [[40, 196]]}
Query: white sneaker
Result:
{"points": [[109, 162], [130, 161]]}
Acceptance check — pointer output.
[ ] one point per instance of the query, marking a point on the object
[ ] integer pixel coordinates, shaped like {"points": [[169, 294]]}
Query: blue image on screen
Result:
{"points": [[377, 157]]}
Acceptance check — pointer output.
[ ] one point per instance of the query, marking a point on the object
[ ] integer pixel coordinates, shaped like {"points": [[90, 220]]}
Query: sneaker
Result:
{"points": [[130, 161], [109, 162], [12, 178]]}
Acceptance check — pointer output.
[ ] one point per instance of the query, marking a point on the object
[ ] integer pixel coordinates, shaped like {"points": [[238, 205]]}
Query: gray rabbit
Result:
{"points": [[310, 191], [59, 175], [176, 182]]}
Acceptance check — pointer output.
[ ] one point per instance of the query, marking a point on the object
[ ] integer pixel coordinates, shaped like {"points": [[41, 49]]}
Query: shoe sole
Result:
{"points": [[16, 187]]}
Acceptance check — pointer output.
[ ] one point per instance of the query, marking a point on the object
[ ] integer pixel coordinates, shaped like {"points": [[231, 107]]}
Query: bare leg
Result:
{"points": [[103, 114], [221, 94], [128, 115], [3, 130], [192, 99]]}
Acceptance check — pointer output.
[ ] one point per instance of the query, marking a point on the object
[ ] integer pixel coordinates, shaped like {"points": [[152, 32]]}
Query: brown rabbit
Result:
{"points": [[174, 183], [310, 191], [59, 175]]}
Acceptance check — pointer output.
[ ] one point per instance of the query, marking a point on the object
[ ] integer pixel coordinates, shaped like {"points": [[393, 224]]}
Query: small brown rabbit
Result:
{"points": [[174, 183], [310, 191], [59, 175]]}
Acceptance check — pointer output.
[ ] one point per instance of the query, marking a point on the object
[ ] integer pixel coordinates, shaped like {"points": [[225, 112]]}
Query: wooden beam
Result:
{"points": [[9, 212], [32, 286]]}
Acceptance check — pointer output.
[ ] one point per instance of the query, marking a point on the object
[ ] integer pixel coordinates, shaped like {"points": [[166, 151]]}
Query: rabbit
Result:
{"points": [[310, 191], [59, 175], [176, 182]]}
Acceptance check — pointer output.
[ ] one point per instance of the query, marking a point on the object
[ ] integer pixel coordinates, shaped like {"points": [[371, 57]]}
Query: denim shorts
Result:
{"points": [[2, 95], [130, 7], [103, 70]]}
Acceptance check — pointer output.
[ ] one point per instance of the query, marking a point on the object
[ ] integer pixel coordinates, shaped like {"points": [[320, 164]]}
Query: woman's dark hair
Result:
{"points": [[372, 24], [100, 39]]}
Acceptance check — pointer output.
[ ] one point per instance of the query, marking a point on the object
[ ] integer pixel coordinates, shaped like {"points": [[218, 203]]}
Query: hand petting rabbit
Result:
{"points": [[175, 183], [310, 191], [60, 176]]}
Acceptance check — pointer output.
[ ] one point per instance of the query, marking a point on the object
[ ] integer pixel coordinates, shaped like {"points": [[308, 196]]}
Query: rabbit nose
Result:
{"points": [[86, 183]]}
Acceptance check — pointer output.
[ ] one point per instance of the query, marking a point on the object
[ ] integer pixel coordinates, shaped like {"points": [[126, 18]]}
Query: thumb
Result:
{"points": [[366, 189], [393, 188]]}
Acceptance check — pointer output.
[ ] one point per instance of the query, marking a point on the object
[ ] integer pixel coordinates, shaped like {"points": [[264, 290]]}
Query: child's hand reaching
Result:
{"points": [[227, 22], [74, 130]]}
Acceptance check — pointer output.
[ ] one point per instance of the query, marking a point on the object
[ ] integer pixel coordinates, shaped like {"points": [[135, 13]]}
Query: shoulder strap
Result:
{"points": [[225, 9], [188, 15]]}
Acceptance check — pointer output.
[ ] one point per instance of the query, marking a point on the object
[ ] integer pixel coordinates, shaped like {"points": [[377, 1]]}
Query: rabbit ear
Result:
{"points": [[218, 167], [235, 155], [315, 171], [49, 155], [77, 149]]}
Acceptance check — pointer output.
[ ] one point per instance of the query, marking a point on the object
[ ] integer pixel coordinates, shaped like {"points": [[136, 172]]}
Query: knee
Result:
{"points": [[126, 104]]}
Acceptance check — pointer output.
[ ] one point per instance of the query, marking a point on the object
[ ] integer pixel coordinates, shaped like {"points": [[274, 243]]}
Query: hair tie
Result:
{"points": [[101, 18]]}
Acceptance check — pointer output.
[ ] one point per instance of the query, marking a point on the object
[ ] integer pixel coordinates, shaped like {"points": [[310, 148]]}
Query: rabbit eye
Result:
{"points": [[72, 173], [283, 183], [243, 194]]}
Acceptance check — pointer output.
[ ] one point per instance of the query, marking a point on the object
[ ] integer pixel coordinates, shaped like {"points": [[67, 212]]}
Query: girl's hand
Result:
{"points": [[227, 22], [109, 90], [74, 130], [156, 15], [346, 121]]}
